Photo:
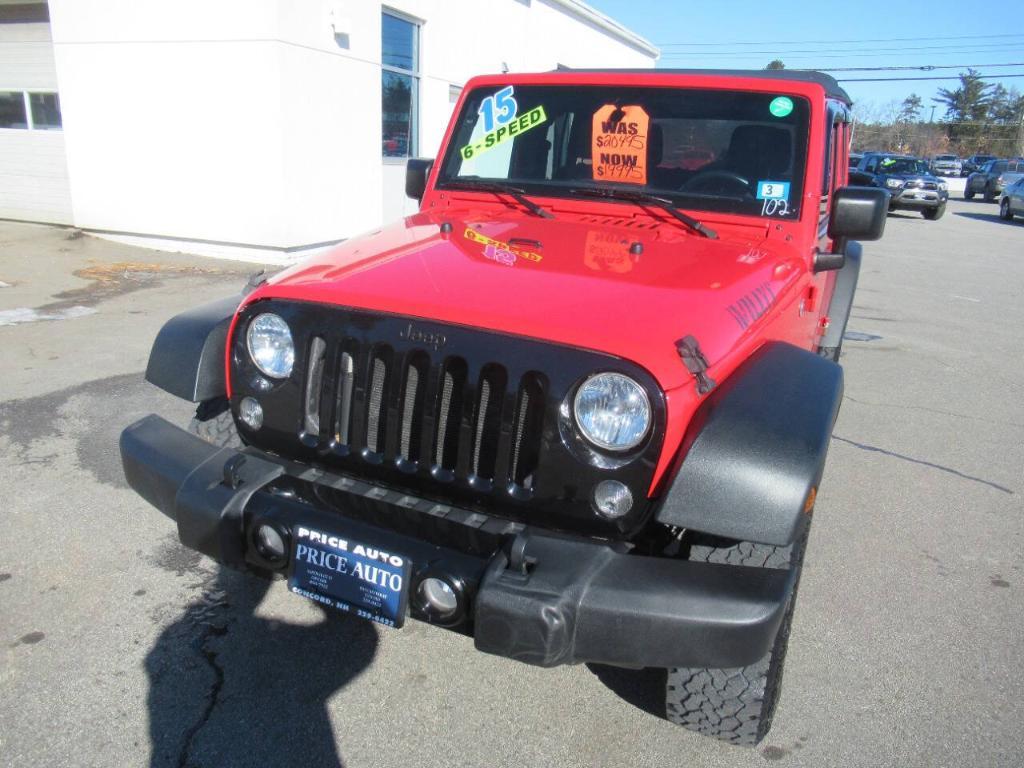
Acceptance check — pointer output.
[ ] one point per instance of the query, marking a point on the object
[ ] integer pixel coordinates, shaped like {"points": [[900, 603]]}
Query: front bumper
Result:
{"points": [[538, 597], [916, 199]]}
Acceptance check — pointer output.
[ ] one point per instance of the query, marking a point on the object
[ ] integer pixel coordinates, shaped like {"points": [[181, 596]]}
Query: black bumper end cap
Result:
{"points": [[585, 602]]}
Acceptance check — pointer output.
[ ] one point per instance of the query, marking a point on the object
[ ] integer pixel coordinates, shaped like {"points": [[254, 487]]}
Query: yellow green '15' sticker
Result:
{"points": [[521, 124]]}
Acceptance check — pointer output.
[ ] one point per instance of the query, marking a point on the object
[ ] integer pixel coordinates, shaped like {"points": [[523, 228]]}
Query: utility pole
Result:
{"points": [[932, 118], [1020, 136]]}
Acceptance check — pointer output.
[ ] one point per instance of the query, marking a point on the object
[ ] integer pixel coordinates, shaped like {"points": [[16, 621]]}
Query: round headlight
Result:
{"points": [[612, 411], [270, 345]]}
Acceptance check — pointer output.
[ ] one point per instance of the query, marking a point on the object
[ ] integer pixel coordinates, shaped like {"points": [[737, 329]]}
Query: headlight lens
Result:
{"points": [[270, 345], [943, 185], [893, 183], [612, 411]]}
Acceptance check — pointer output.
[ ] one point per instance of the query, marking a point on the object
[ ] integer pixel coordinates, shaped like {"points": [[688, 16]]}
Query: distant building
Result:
{"points": [[271, 124]]}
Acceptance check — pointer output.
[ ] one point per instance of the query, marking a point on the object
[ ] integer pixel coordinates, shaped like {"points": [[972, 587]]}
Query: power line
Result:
{"points": [[922, 68], [832, 42], [899, 80], [977, 48]]}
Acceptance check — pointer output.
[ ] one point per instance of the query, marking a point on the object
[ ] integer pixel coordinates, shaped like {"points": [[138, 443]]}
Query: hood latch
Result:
{"points": [[696, 363]]}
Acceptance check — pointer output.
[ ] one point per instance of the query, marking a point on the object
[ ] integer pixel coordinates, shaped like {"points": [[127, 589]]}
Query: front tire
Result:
{"points": [[934, 214], [736, 705], [1004, 210], [990, 194], [219, 430], [968, 193]]}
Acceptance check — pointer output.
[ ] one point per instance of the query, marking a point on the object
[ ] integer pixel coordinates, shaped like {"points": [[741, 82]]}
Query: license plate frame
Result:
{"points": [[349, 575]]}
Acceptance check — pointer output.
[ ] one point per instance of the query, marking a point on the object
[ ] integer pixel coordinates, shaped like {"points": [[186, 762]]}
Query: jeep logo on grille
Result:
{"points": [[435, 340]]}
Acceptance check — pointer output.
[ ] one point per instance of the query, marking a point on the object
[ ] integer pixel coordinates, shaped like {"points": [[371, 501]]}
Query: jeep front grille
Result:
{"points": [[464, 431], [440, 411]]}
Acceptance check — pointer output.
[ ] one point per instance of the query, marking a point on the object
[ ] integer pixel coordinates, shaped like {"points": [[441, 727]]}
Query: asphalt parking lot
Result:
{"points": [[120, 648]]}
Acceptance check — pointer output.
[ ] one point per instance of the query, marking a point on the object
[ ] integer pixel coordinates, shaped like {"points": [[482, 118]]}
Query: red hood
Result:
{"points": [[577, 283]]}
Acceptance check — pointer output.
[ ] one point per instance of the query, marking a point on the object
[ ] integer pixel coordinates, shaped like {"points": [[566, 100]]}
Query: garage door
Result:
{"points": [[33, 164]]}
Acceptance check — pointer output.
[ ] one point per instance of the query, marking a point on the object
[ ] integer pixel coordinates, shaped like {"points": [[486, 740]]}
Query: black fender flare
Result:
{"points": [[187, 358], [755, 450], [842, 296]]}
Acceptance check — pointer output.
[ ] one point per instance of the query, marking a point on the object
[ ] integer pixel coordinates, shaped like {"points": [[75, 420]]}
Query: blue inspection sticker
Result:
{"points": [[773, 190]]}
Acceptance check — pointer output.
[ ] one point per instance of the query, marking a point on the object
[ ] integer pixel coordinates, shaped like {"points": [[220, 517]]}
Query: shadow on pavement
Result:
{"points": [[994, 216], [643, 688], [229, 688]]}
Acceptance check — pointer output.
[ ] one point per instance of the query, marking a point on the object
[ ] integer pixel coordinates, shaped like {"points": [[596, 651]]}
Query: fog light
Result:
{"points": [[438, 598], [251, 413], [612, 499], [270, 543]]}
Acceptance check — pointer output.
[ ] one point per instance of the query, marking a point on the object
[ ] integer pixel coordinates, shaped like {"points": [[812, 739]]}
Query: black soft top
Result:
{"points": [[829, 83]]}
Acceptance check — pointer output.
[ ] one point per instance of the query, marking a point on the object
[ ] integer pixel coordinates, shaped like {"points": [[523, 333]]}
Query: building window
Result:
{"points": [[31, 111], [45, 110], [399, 85], [12, 110]]}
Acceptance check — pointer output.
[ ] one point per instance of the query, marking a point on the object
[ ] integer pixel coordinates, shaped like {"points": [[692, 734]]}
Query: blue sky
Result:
{"points": [[944, 33]]}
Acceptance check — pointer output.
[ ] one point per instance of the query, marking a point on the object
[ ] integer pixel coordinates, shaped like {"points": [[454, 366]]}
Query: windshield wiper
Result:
{"points": [[516, 193], [641, 198]]}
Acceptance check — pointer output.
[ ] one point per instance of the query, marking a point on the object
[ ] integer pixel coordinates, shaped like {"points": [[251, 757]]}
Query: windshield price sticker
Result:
{"points": [[619, 144], [773, 190], [510, 129]]}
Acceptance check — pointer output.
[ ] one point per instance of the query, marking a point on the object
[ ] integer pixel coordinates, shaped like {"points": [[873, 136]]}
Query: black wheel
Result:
{"points": [[933, 214], [736, 705], [1004, 210], [219, 430], [990, 194], [968, 192]]}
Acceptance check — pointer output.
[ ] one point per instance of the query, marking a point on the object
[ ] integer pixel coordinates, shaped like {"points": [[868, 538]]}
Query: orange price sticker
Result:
{"points": [[618, 149]]}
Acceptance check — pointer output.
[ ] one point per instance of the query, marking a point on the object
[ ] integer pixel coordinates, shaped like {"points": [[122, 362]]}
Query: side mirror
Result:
{"points": [[858, 213], [417, 169]]}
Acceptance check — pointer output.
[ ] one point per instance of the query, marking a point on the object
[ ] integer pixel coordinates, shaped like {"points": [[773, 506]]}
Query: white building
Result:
{"points": [[220, 125]]}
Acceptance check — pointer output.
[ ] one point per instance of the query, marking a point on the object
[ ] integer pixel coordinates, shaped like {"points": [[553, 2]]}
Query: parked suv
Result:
{"points": [[974, 162], [993, 177], [946, 165], [577, 407], [908, 180]]}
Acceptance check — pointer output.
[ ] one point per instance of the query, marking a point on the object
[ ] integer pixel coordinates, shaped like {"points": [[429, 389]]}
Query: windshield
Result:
{"points": [[945, 157], [902, 165], [729, 151]]}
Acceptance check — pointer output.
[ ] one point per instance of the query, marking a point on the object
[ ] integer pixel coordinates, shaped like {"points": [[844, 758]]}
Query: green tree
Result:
{"points": [[968, 102], [775, 64], [910, 109]]}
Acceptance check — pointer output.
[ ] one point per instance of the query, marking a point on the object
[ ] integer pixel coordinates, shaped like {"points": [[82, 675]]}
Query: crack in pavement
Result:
{"points": [[922, 462], [211, 631], [931, 410]]}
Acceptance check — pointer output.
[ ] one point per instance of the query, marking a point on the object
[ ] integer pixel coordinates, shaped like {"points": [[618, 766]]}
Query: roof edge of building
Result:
{"points": [[581, 10]]}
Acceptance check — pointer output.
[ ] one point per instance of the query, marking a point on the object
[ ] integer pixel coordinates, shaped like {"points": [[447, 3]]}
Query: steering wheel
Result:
{"points": [[707, 178]]}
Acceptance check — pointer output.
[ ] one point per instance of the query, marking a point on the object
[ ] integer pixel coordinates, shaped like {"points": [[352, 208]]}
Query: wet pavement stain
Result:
{"points": [[139, 592], [4, 576], [774, 753], [859, 336], [111, 280], [174, 558], [30, 639], [998, 581]]}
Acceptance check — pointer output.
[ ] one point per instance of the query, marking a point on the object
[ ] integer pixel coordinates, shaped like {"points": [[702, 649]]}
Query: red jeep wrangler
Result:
{"points": [[577, 407]]}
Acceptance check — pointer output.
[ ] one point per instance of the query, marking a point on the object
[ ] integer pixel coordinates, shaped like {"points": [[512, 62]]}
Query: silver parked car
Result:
{"points": [[1012, 202], [946, 165]]}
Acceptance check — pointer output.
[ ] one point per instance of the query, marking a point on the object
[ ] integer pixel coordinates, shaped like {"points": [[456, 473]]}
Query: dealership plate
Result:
{"points": [[350, 576]]}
